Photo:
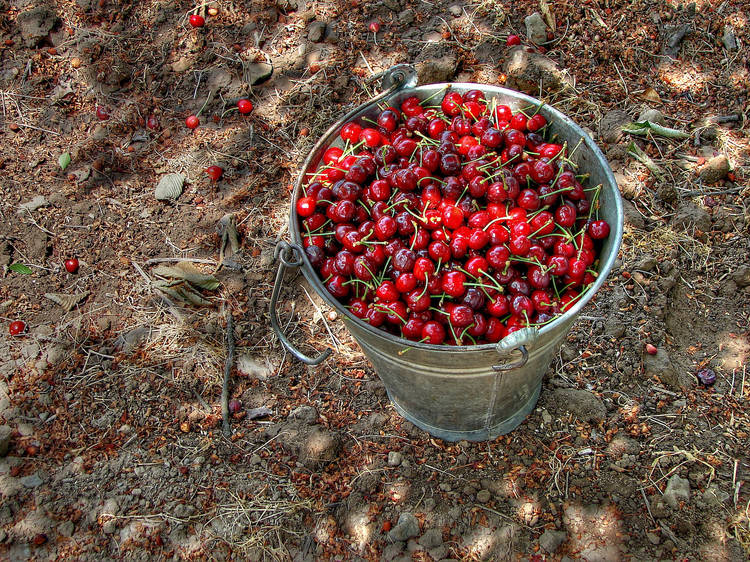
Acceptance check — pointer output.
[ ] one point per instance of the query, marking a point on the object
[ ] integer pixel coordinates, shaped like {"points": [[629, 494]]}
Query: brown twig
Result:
{"points": [[227, 369]]}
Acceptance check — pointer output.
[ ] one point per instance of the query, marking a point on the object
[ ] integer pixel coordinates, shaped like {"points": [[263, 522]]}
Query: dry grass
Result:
{"points": [[258, 526]]}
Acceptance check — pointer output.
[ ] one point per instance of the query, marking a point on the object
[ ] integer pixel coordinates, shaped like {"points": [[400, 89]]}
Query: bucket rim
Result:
{"points": [[549, 112]]}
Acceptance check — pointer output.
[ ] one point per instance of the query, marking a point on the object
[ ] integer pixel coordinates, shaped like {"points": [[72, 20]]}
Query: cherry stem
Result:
{"points": [[437, 93]]}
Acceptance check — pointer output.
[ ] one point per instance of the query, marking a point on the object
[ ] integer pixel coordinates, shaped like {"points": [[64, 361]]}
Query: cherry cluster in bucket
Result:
{"points": [[456, 223]]}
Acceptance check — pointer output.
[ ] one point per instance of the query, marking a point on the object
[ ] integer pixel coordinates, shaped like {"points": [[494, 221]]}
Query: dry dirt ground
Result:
{"points": [[110, 407]]}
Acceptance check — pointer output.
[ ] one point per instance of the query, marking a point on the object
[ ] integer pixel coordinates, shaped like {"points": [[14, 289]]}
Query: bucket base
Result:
{"points": [[488, 434]]}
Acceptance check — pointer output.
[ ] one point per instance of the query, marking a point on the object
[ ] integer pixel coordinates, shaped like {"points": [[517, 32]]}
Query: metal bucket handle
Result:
{"points": [[291, 255], [517, 340]]}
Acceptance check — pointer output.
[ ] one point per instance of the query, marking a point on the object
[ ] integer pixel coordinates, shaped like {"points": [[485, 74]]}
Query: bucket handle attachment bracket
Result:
{"points": [[517, 340], [289, 256]]}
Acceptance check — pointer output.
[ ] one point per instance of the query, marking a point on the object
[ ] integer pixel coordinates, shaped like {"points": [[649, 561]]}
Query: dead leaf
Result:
{"points": [[649, 94], [188, 272], [549, 17], [68, 302], [255, 413]]}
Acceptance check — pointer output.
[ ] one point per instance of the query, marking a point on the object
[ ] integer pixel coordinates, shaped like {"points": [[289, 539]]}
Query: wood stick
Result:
{"points": [[227, 370]]}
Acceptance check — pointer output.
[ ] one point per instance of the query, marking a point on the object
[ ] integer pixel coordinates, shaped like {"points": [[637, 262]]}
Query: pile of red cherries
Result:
{"points": [[451, 224]]}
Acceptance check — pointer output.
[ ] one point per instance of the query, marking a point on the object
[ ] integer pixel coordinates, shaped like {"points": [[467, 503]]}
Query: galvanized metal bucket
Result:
{"points": [[470, 392]]}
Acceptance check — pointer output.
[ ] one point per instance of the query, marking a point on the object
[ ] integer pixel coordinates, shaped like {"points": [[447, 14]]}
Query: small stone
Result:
{"points": [[110, 526], [546, 417], [729, 40], [653, 115], [392, 551], [614, 327], [25, 429], [715, 497], [653, 538], [321, 447], [258, 72], [32, 481], [611, 125], [406, 17], [33, 205], [716, 169], [394, 458], [528, 71], [306, 413], [431, 538], [678, 489], [741, 276], [437, 70], [316, 31], [691, 217], [36, 24], [406, 528], [536, 29], [66, 528], [551, 540], [581, 403], [455, 10], [5, 433], [483, 496]]}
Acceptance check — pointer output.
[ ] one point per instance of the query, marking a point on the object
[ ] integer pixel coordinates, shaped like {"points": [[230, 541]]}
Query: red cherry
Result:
{"points": [[598, 229], [244, 106], [305, 206], [453, 283], [71, 265], [371, 137], [351, 131], [433, 333], [197, 20], [214, 172], [451, 104], [519, 123], [152, 122], [17, 328], [374, 26], [234, 406], [102, 113], [513, 40], [536, 122], [192, 122]]}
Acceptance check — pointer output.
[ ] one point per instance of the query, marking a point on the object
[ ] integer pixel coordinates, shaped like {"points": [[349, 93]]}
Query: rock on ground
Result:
{"points": [[660, 365], [689, 216], [653, 115], [316, 32], [431, 538], [258, 72], [716, 169], [611, 125], [5, 433], [306, 413], [581, 403], [678, 489], [406, 528], [551, 540], [536, 29], [530, 71], [320, 447], [741, 276], [434, 70], [36, 24]]}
